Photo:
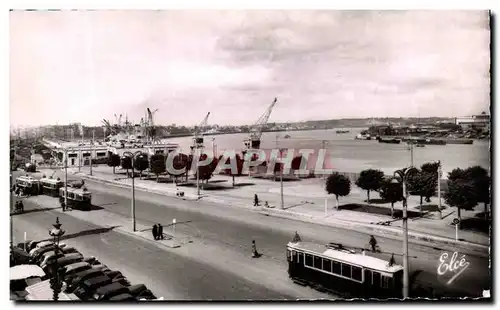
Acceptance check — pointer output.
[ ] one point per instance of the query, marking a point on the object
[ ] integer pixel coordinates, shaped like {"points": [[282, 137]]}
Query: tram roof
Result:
{"points": [[49, 180], [76, 190], [27, 178], [351, 258]]}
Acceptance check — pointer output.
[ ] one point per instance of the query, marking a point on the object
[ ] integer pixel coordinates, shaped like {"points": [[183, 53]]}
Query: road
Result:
{"points": [[234, 228], [166, 274]]}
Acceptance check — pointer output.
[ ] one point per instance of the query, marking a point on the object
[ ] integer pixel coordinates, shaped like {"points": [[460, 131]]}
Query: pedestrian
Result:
{"points": [[155, 232], [160, 231], [21, 206], [373, 243], [255, 200], [63, 206], [254, 250]]}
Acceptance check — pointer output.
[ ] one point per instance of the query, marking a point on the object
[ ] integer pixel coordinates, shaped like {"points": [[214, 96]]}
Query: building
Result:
{"points": [[475, 121], [150, 149], [78, 154]]}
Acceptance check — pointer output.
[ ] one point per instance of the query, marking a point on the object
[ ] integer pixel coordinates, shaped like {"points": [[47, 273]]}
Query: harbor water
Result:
{"points": [[345, 154]]}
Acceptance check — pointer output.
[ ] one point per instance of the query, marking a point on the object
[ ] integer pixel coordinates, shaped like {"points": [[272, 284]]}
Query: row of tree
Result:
{"points": [[157, 164], [466, 187]]}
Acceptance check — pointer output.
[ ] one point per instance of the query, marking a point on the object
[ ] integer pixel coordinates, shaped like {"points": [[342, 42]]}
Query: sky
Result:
{"points": [[83, 66]]}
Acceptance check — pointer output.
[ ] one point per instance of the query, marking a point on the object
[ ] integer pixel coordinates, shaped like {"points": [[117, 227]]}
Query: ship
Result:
{"points": [[392, 141]]}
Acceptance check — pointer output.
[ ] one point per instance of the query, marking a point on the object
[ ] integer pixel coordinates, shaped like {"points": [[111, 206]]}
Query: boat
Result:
{"points": [[392, 141], [363, 136], [459, 141], [342, 131], [287, 136]]}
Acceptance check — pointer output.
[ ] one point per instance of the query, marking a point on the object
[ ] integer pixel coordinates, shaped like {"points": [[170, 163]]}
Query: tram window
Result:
{"points": [[356, 273], [327, 265], [336, 267], [318, 262], [346, 270], [309, 260], [294, 256], [385, 282], [368, 276], [300, 257], [101, 154], [288, 256], [376, 279]]}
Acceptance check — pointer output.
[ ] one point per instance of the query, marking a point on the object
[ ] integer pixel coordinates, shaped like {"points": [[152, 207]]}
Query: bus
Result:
{"points": [[50, 186], [78, 198], [343, 271], [28, 185]]}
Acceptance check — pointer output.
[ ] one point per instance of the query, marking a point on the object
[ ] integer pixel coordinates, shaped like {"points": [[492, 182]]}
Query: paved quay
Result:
{"points": [[305, 200]]}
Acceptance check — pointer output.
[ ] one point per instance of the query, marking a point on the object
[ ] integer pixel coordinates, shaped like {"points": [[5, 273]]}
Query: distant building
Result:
{"points": [[474, 121]]}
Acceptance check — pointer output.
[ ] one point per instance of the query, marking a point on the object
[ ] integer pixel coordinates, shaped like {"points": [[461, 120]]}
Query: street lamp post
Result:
{"points": [[403, 175], [11, 220], [57, 275], [439, 190], [132, 158], [281, 181], [66, 179]]}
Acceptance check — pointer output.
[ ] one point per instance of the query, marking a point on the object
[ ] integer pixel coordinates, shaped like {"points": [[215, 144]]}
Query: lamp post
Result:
{"points": [[281, 180], [11, 220], [403, 175], [439, 189], [57, 275], [132, 158]]}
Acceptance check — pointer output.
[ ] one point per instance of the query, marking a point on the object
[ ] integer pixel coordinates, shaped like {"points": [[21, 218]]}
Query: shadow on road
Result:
{"points": [[33, 210], [89, 232]]}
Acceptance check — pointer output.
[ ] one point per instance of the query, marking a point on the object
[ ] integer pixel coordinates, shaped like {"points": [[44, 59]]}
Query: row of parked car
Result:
{"points": [[86, 277]]}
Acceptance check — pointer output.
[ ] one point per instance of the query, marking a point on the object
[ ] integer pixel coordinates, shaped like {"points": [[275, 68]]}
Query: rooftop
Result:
{"points": [[351, 258]]}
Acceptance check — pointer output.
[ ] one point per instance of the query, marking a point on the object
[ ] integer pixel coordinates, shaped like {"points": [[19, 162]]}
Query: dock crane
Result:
{"points": [[151, 127], [253, 142], [198, 135]]}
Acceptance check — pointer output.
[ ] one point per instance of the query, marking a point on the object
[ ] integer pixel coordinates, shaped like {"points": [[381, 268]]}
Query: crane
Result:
{"points": [[253, 142], [198, 136], [150, 125]]}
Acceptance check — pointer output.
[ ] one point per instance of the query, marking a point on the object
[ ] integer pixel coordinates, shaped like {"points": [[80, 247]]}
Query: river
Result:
{"points": [[348, 155]]}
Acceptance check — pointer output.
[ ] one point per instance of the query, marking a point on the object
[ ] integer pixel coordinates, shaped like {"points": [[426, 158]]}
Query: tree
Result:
{"points": [[461, 192], [158, 165], [126, 163], [141, 163], [179, 162], [392, 192], [239, 165], [424, 182], [479, 176], [113, 161], [206, 171], [297, 161], [338, 185], [370, 180]]}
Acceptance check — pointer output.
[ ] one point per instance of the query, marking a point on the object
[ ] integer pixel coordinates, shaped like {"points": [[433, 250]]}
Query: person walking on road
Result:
{"points": [[155, 232], [160, 232], [255, 254], [255, 200], [63, 206], [373, 243]]}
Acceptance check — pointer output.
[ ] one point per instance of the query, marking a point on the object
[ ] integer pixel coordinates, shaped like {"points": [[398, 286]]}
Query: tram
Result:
{"points": [[343, 271], [78, 197], [28, 185], [50, 186]]}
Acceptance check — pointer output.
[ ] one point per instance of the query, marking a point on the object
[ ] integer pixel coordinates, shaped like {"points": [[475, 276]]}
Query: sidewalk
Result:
{"points": [[268, 271], [310, 208]]}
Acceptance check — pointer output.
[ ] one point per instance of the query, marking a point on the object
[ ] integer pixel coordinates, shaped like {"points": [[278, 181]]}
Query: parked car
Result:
{"points": [[77, 267], [141, 291], [63, 261], [44, 259], [123, 297], [74, 280], [85, 289], [108, 291]]}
